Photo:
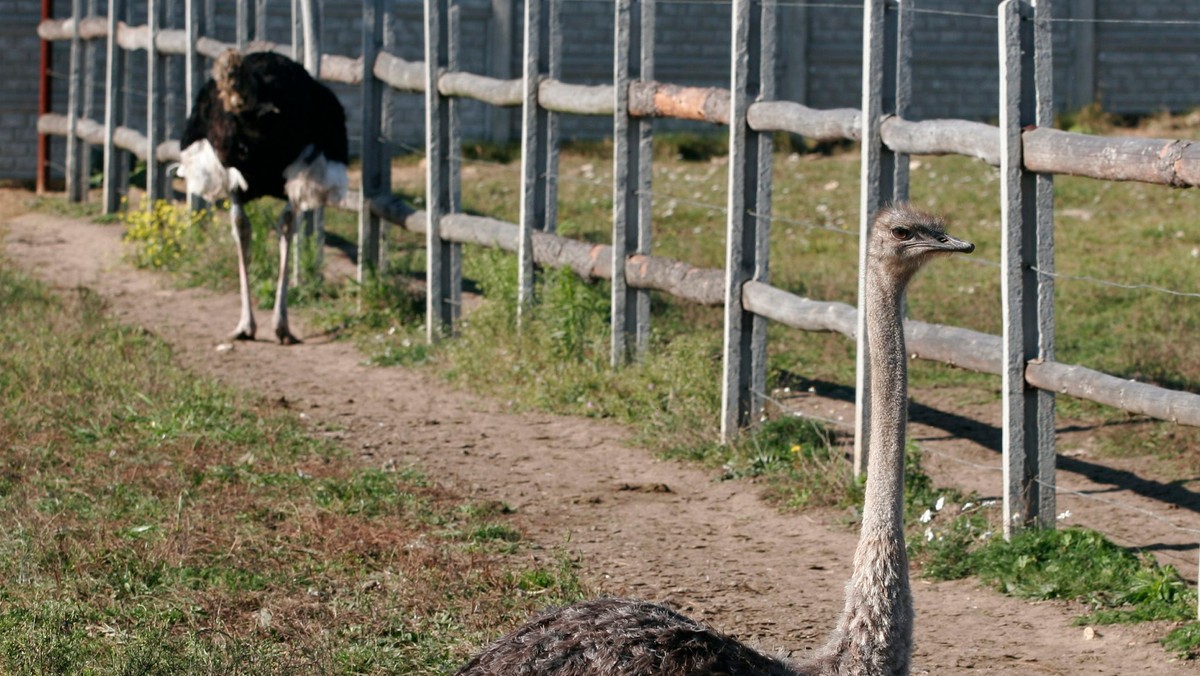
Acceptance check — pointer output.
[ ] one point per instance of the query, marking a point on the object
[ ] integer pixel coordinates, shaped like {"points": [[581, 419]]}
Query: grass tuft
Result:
{"points": [[163, 235], [1115, 584]]}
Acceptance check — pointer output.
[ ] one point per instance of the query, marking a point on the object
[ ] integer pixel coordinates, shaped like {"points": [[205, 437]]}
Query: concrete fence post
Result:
{"points": [[1027, 263], [748, 227], [886, 89]]}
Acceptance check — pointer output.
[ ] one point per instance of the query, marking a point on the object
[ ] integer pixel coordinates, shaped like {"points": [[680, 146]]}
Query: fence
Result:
{"points": [[1024, 147]]}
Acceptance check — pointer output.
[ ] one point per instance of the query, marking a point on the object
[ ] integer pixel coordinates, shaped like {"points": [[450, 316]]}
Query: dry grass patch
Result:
{"points": [[156, 523]]}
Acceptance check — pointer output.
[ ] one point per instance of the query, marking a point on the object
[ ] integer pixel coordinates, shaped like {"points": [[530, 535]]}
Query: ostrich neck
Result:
{"points": [[884, 502], [874, 635]]}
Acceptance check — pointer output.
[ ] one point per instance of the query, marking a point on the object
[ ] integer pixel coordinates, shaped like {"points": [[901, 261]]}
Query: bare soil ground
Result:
{"points": [[642, 527]]}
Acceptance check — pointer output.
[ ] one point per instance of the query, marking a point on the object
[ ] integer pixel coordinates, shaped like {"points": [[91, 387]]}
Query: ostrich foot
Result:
{"points": [[285, 336], [243, 332]]}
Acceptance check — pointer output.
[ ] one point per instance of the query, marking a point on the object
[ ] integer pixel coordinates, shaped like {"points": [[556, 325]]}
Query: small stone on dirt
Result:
{"points": [[645, 488]]}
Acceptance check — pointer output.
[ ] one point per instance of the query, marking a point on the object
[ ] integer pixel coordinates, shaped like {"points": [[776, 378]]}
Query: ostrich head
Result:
{"points": [[230, 88], [903, 239]]}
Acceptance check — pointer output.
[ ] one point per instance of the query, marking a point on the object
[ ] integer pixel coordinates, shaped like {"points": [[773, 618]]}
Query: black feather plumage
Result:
{"points": [[288, 111]]}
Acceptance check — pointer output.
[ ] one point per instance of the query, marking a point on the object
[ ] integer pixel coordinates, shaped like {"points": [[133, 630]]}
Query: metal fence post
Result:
{"points": [[170, 90], [538, 140], [439, 312], [89, 106], [633, 59], [1027, 261], [114, 108], [312, 234], [297, 31], [242, 24], [452, 265], [548, 161], [310, 24], [531, 208], [747, 238], [376, 161], [128, 83], [193, 65], [260, 19], [74, 86], [886, 87], [155, 178], [210, 18]]}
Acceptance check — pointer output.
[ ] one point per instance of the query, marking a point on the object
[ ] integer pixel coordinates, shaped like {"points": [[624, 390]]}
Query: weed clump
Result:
{"points": [[1116, 585], [163, 235], [554, 354]]}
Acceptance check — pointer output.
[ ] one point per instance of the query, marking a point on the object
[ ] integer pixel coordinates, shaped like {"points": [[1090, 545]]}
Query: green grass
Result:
{"points": [[200, 249], [1128, 233], [61, 207], [1112, 583], [1124, 232], [156, 523], [559, 360]]}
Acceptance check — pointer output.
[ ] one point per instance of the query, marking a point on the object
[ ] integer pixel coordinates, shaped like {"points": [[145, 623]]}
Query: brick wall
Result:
{"points": [[1131, 68], [19, 92], [1147, 68]]}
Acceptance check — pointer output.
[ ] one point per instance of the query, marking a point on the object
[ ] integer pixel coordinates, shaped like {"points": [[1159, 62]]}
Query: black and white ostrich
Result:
{"points": [[262, 126]]}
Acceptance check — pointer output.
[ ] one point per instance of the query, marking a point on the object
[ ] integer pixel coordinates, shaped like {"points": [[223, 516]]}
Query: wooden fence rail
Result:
{"points": [[1173, 162], [1026, 150], [964, 348]]}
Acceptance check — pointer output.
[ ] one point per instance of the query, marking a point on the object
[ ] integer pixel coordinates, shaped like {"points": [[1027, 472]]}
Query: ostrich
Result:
{"points": [[608, 637], [263, 126]]}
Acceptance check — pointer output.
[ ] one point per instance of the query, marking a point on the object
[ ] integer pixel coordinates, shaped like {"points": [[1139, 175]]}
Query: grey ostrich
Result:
{"points": [[608, 637]]}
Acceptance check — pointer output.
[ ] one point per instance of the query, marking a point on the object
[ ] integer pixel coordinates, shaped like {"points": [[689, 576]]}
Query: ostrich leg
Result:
{"points": [[289, 222], [241, 232]]}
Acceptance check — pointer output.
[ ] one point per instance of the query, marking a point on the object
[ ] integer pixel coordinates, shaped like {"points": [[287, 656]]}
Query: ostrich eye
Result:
{"points": [[902, 234]]}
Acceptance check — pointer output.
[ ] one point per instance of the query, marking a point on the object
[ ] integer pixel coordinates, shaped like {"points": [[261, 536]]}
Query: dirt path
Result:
{"points": [[711, 548]]}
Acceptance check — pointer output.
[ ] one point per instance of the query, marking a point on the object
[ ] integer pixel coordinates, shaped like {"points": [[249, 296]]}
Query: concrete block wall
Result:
{"points": [[1144, 68], [1131, 68], [19, 54]]}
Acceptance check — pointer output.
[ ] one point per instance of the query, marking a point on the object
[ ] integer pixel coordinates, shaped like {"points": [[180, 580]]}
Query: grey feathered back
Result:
{"points": [[620, 637]]}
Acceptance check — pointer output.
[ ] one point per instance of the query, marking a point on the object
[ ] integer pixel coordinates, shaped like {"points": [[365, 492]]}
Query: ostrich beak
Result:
{"points": [[950, 244]]}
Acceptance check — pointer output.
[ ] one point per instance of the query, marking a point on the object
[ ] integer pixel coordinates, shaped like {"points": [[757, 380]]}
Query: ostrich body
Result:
{"points": [[611, 637], [262, 126]]}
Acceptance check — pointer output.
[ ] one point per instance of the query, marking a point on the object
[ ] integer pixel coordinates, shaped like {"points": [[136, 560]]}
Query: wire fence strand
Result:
{"points": [[1118, 285], [804, 224], [947, 12], [775, 218], [1142, 22]]}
